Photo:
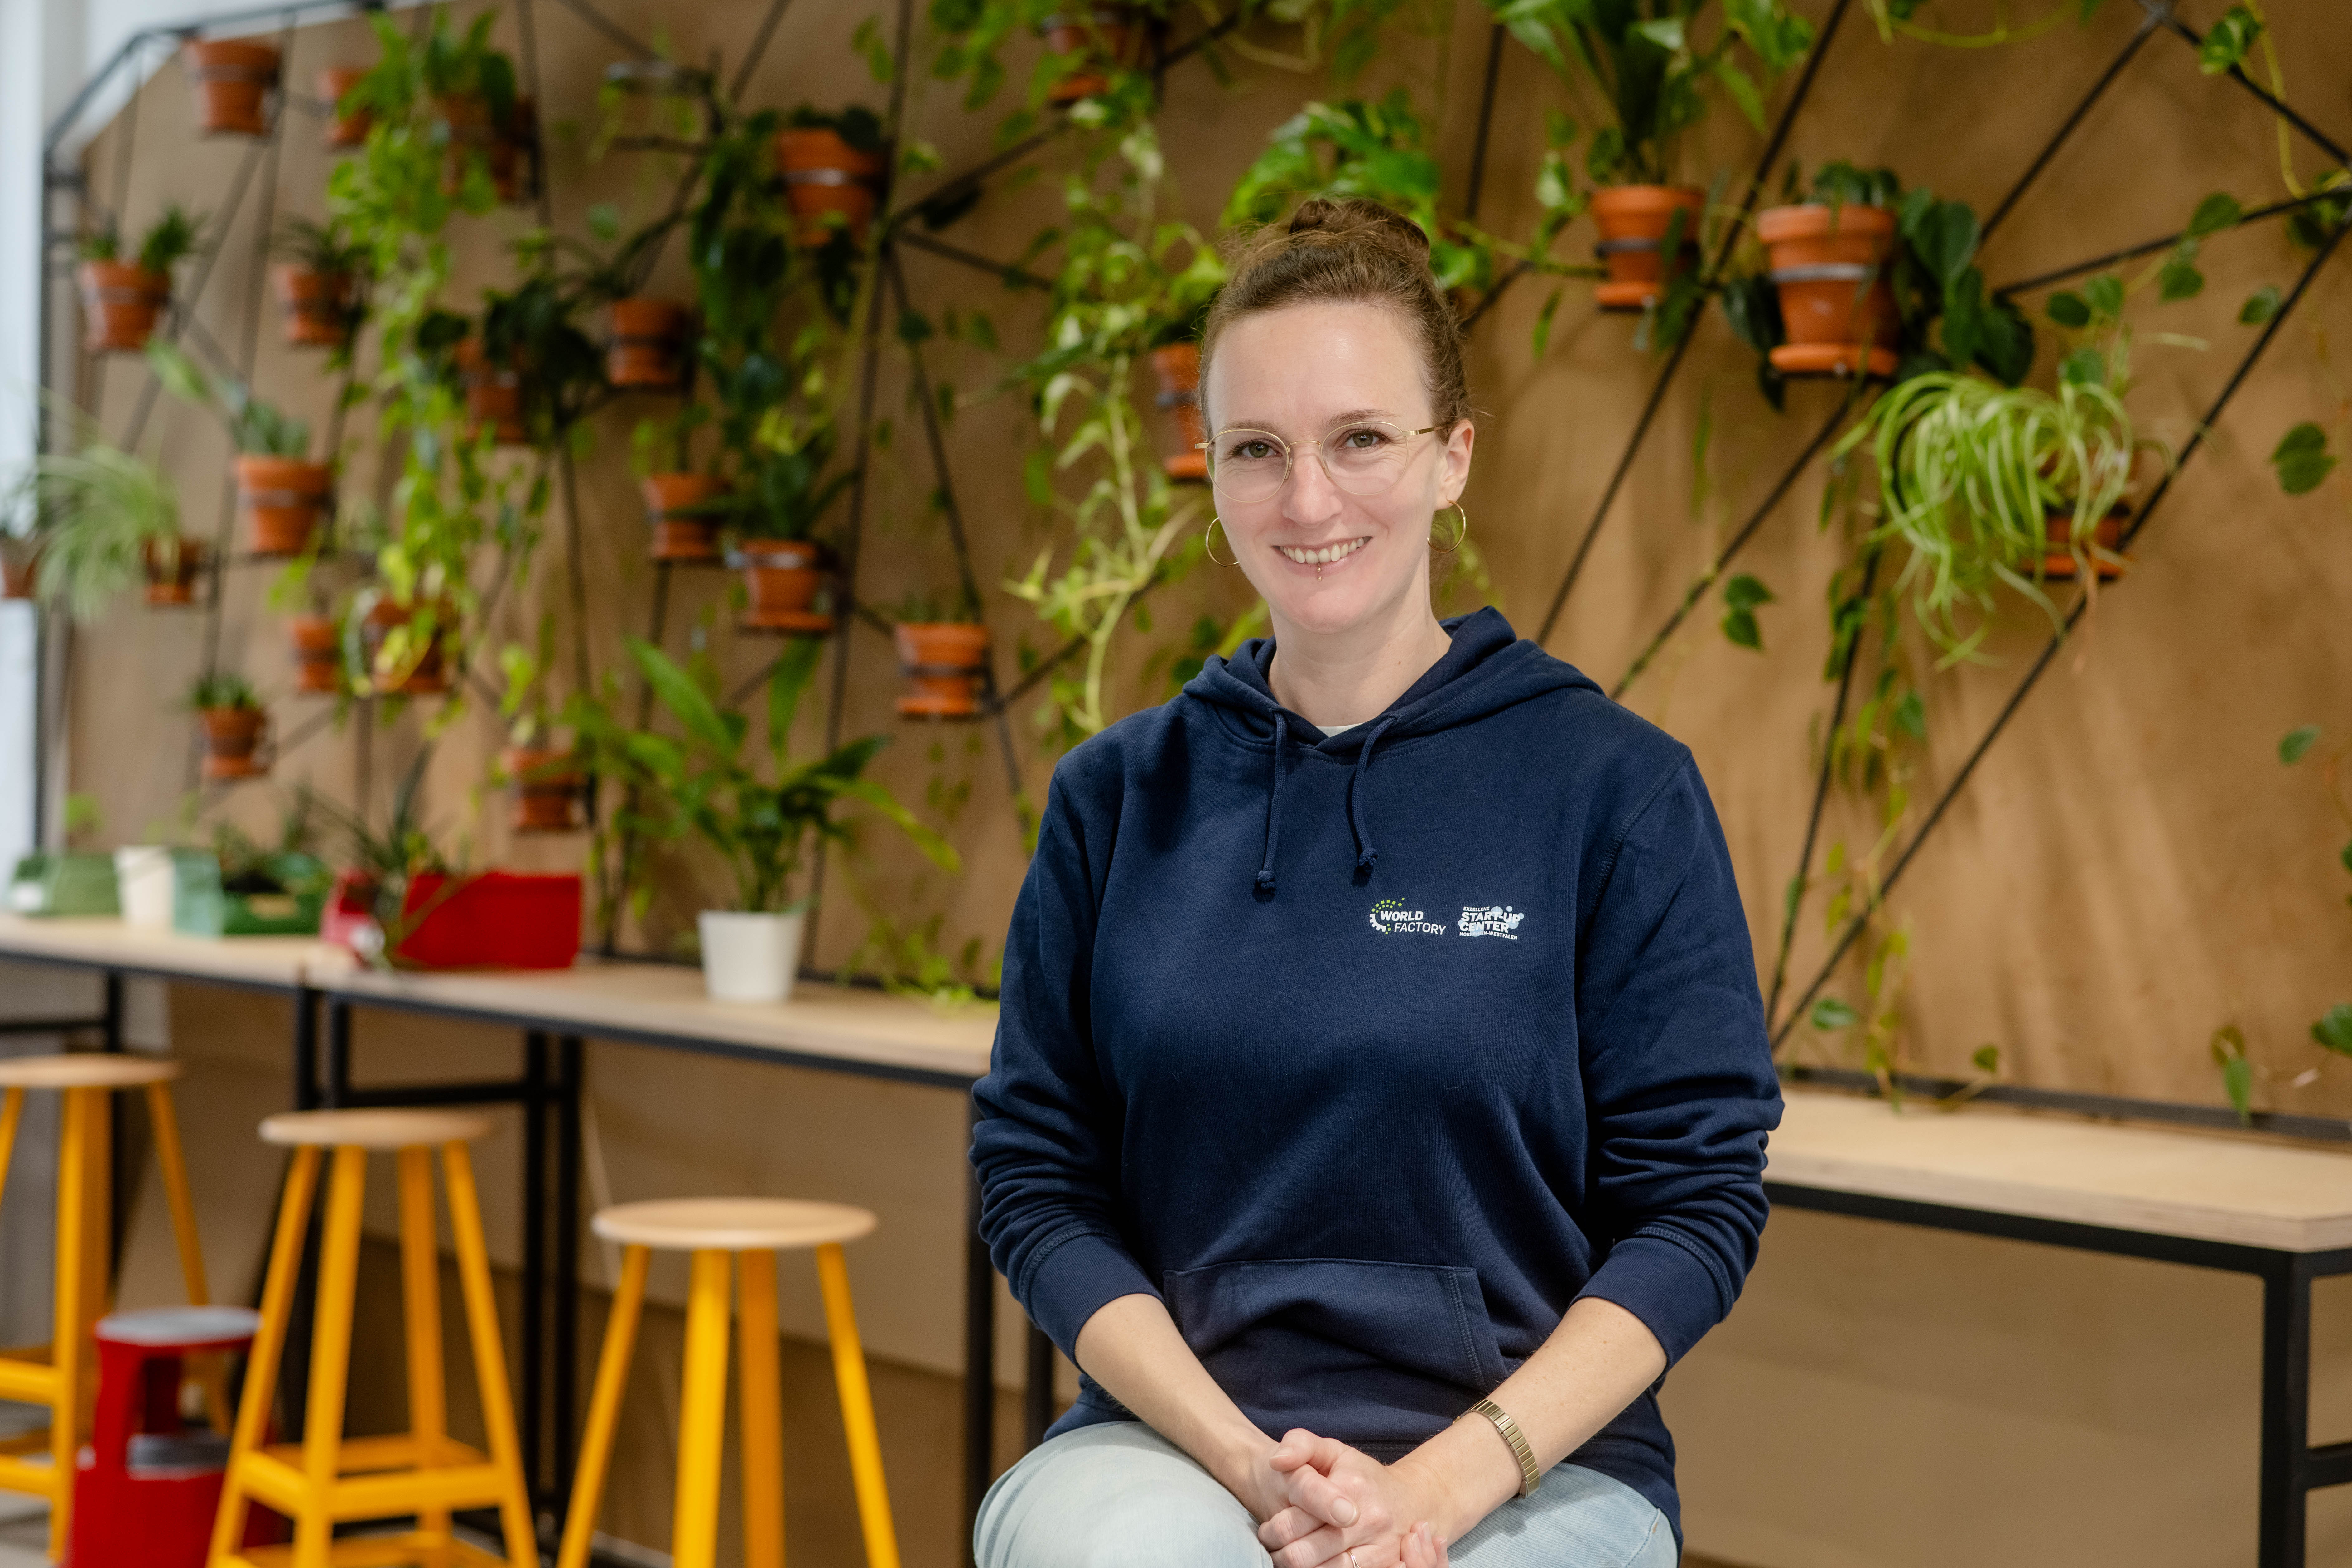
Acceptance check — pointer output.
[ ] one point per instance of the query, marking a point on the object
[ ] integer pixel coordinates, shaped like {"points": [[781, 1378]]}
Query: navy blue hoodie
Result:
{"points": [[1370, 1055]]}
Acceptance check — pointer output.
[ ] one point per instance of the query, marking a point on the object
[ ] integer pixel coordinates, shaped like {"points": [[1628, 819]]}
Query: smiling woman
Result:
{"points": [[1436, 1211]]}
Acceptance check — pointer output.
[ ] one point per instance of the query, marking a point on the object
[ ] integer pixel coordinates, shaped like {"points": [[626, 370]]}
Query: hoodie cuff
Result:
{"points": [[1076, 1277], [1666, 1283]]}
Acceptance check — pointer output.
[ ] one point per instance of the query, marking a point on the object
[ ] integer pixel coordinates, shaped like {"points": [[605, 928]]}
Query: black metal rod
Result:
{"points": [[2050, 651], [2285, 1417], [533, 1350], [2066, 128], [1011, 275], [1730, 550], [336, 1088], [2277, 106], [954, 188], [2149, 248], [610, 29], [933, 438], [1485, 301], [1724, 248], [1495, 37], [752, 56], [564, 1374], [182, 310]]}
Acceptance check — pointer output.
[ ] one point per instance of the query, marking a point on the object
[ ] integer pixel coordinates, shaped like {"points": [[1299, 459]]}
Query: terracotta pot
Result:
{"points": [[823, 174], [493, 394], [1178, 366], [648, 346], [682, 538], [547, 788], [232, 79], [1633, 220], [942, 661], [172, 581], [2058, 564], [1106, 35], [286, 498], [1831, 266], [317, 655], [119, 304], [343, 129], [231, 737], [784, 575], [19, 569], [318, 305], [429, 676], [503, 148]]}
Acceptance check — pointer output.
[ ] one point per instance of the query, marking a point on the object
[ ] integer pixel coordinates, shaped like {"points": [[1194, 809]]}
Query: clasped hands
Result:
{"points": [[1327, 1505]]}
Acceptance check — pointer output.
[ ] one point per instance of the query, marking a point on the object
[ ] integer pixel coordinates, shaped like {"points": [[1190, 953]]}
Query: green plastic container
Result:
{"points": [[63, 885], [202, 907]]}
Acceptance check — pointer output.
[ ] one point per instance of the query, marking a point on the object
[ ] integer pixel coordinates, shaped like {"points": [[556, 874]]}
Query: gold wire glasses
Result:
{"points": [[1362, 456]]}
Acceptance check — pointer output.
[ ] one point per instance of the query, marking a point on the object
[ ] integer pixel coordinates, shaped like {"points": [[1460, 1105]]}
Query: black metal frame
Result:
{"points": [[2292, 1466]]}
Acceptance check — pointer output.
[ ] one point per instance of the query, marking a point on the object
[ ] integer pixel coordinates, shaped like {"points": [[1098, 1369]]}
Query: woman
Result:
{"points": [[1382, 1064]]}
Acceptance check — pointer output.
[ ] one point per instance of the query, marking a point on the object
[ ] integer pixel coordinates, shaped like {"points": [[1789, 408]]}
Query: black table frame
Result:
{"points": [[2291, 1468]]}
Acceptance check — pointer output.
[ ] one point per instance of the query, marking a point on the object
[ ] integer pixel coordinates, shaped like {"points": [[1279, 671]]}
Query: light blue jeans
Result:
{"points": [[1120, 1495]]}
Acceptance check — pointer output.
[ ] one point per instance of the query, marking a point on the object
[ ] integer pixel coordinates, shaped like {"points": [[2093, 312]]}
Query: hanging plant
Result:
{"points": [[105, 521], [345, 130], [121, 299], [943, 653], [543, 771], [286, 497], [318, 648], [233, 80], [318, 277], [234, 722], [834, 168]]}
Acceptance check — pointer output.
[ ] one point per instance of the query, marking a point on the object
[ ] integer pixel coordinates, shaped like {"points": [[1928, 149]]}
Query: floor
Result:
{"points": [[24, 1532]]}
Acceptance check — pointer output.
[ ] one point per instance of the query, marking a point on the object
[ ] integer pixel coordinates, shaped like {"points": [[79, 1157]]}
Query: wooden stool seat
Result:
{"points": [[731, 1224], [59, 1376], [86, 1070], [383, 1129]]}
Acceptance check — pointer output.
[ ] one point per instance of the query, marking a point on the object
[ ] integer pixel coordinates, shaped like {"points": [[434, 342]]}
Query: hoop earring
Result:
{"points": [[1460, 533], [1209, 543]]}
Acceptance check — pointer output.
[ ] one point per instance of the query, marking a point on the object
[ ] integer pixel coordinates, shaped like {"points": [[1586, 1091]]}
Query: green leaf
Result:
{"points": [[2084, 367], [2215, 212], [2178, 279], [685, 700], [1746, 593], [1740, 627], [2068, 309], [1986, 1060], [2106, 294], [2260, 306], [937, 850], [2345, 855], [2238, 1083], [2302, 460], [1543, 322], [2227, 44], [1830, 1013], [1666, 32], [1911, 716], [1743, 89], [2296, 742], [2335, 1029]]}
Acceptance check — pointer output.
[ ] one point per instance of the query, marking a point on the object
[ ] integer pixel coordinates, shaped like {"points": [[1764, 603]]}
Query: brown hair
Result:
{"points": [[1340, 252]]}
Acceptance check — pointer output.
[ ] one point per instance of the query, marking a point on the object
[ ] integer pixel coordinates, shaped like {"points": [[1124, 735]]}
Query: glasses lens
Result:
{"points": [[1248, 465], [1365, 456]]}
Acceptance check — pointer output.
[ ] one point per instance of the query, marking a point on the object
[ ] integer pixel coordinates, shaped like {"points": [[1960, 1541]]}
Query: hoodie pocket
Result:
{"points": [[1404, 1334]]}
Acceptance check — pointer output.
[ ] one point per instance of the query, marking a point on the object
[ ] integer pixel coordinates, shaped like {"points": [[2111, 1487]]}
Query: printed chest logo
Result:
{"points": [[1390, 917]]}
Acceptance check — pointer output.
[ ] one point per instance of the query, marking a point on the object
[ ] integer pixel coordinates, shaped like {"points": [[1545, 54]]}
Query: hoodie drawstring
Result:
{"points": [[1272, 808], [1366, 856]]}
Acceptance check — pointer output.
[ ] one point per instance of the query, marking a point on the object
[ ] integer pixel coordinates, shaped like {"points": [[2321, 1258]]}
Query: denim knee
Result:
{"points": [[1116, 1495]]}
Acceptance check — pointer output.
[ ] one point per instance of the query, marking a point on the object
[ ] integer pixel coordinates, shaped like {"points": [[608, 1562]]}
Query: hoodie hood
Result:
{"points": [[1487, 669]]}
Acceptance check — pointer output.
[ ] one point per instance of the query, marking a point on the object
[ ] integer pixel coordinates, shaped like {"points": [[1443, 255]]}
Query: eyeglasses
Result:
{"points": [[1362, 456]]}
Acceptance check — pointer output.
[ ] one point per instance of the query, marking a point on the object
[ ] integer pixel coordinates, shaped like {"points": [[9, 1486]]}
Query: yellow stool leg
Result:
{"points": [[857, 1410], [490, 1356], [604, 1409], [208, 1373], [84, 1198], [12, 1111], [268, 1345], [763, 1412], [420, 1288], [330, 1358], [701, 1415]]}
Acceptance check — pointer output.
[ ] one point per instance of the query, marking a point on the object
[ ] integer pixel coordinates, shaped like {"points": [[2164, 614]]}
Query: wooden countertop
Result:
{"points": [[2210, 1187], [103, 941]]}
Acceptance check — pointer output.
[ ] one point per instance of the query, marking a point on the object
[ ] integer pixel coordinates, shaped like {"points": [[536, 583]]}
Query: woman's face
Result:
{"points": [[1325, 559]]}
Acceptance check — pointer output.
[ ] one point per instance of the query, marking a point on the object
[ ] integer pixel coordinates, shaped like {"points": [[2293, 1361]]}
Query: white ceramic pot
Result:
{"points": [[750, 957], [143, 884]]}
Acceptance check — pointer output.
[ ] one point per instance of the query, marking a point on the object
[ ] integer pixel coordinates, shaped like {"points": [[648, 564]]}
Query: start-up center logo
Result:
{"points": [[1491, 919], [1390, 917]]}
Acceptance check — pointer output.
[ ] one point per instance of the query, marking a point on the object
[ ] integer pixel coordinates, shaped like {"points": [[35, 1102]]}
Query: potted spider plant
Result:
{"points": [[1642, 74], [685, 507], [761, 816], [121, 299], [347, 121], [234, 722], [318, 645], [834, 167], [943, 653], [401, 904], [317, 279], [545, 776], [286, 497], [233, 78], [108, 521]]}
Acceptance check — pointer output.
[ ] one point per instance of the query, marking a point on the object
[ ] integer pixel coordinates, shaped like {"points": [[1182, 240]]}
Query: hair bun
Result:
{"points": [[1363, 222]]}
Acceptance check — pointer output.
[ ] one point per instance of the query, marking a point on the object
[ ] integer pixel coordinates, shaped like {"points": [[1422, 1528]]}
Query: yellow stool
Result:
{"points": [[325, 1478], [62, 1375], [717, 1231]]}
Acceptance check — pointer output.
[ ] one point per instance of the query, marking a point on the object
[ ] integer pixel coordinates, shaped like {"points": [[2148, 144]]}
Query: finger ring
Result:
{"points": [[1351, 1557]]}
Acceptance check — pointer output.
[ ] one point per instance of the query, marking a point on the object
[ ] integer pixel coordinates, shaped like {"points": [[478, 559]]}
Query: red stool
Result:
{"points": [[147, 1486]]}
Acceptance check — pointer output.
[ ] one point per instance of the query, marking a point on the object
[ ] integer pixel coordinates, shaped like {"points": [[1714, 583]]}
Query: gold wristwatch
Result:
{"points": [[1528, 1475]]}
